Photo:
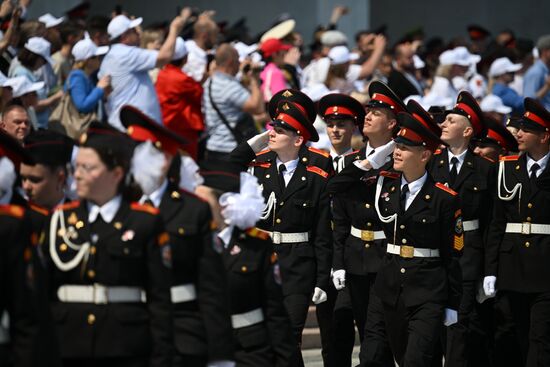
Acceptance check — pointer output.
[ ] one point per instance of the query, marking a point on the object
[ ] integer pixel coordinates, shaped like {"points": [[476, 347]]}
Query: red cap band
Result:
{"points": [[472, 116], [387, 100], [422, 121], [531, 116], [140, 133], [295, 124], [338, 110], [411, 135]]}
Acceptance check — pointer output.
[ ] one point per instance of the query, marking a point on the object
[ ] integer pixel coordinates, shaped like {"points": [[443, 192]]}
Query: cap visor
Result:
{"points": [[101, 50], [135, 22]]}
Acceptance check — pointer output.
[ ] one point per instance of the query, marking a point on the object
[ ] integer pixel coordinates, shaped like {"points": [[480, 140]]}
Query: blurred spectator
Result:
{"points": [[180, 98], [383, 71], [128, 65], [273, 80], [492, 105], [25, 93], [151, 39], [97, 30], [15, 122], [70, 34], [205, 36], [340, 61], [53, 32], [536, 82], [502, 72], [402, 78]]}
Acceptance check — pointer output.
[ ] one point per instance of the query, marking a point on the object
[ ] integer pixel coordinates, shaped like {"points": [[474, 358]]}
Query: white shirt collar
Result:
{"points": [[333, 153], [460, 158], [541, 162], [414, 188], [368, 149], [107, 210], [156, 196], [290, 165]]}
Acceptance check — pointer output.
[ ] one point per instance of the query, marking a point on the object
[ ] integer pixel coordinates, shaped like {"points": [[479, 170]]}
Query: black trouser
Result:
{"points": [[457, 351], [187, 360], [375, 349], [360, 287], [335, 319], [414, 331], [506, 339], [107, 362], [531, 312], [297, 306]]}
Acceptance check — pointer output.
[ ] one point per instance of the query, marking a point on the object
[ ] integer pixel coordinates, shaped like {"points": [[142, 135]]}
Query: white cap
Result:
{"points": [[50, 21], [40, 46], [180, 51], [21, 85], [418, 63], [245, 50], [333, 38], [120, 24], [86, 48], [340, 55], [492, 103], [503, 65], [458, 56]]}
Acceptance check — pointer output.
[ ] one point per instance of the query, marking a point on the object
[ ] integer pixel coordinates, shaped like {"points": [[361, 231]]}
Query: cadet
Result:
{"points": [[261, 326], [297, 213], [110, 287], [517, 254], [202, 332], [497, 142]]}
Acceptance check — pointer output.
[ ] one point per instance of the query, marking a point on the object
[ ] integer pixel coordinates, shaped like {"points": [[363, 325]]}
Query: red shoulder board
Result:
{"points": [[260, 164], [71, 205], [350, 153], [257, 233], [509, 158], [39, 209], [263, 152], [317, 170], [144, 208], [389, 174], [445, 188], [487, 159], [437, 151], [319, 151], [15, 211]]}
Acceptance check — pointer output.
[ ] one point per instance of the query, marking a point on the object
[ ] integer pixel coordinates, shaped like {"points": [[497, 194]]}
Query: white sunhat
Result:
{"points": [[503, 65], [180, 51], [50, 21], [86, 48], [333, 38], [340, 55], [492, 103], [21, 85], [120, 24], [245, 50], [458, 56], [40, 46]]}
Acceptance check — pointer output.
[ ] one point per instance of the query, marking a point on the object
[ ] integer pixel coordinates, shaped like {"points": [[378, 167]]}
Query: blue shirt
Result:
{"points": [[533, 81], [128, 67], [509, 97], [84, 94]]}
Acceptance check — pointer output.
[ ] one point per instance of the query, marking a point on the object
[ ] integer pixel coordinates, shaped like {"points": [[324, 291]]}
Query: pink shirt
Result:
{"points": [[273, 81]]}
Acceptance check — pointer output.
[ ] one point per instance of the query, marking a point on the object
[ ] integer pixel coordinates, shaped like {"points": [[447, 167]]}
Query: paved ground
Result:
{"points": [[312, 357]]}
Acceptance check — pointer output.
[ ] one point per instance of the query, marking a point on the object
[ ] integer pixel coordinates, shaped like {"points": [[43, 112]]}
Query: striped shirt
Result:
{"points": [[229, 96]]}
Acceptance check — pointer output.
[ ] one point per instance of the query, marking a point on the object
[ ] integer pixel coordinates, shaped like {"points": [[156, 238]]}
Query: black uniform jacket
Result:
{"points": [[201, 327], [475, 185], [303, 206], [132, 251]]}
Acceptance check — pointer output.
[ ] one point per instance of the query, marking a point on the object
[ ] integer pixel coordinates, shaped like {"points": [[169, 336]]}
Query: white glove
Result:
{"points": [[481, 296], [221, 364], [489, 285], [339, 279], [259, 142], [451, 317], [378, 158], [319, 296]]}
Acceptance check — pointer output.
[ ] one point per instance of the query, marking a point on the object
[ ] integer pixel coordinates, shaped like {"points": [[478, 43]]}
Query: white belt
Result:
{"points": [[470, 225], [183, 293], [247, 319], [282, 238], [410, 252], [527, 228], [367, 235], [100, 294]]}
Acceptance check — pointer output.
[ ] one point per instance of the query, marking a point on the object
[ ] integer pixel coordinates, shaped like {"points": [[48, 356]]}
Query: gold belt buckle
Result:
{"points": [[406, 251], [525, 228], [367, 235]]}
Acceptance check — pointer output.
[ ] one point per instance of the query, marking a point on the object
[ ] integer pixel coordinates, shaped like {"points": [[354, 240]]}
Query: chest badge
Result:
{"points": [[128, 235], [235, 250]]}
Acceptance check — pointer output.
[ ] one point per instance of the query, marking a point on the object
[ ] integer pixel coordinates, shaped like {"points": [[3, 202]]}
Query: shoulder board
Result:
{"points": [[257, 233], [319, 151], [144, 208], [487, 159], [263, 152], [389, 174], [260, 164], [350, 153], [509, 158], [189, 193], [71, 205], [15, 211], [439, 185], [317, 170], [437, 151], [39, 209]]}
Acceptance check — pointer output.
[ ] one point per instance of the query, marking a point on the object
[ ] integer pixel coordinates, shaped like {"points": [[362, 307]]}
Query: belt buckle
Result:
{"points": [[367, 235], [276, 237], [525, 228], [406, 251], [100, 294]]}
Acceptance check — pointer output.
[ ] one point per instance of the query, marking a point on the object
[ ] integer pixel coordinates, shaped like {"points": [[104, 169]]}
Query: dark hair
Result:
{"points": [[12, 105], [97, 24], [68, 30], [28, 58]]}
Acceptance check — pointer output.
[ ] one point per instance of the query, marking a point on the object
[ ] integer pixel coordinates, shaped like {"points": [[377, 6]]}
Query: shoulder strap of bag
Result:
{"points": [[220, 115]]}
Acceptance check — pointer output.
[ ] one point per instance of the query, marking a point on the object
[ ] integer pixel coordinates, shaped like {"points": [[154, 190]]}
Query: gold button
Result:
{"points": [[181, 230], [267, 176], [91, 319], [117, 225], [369, 224], [126, 250], [517, 168], [404, 240], [303, 178], [423, 220], [402, 226], [403, 270], [304, 204], [367, 206], [63, 247], [475, 188], [79, 224], [367, 245], [91, 274], [278, 220], [244, 269], [527, 244], [282, 203], [427, 197], [528, 219], [304, 159], [529, 205], [93, 250]]}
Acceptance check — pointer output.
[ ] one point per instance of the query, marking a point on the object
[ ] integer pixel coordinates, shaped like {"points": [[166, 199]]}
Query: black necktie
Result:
{"points": [[533, 176], [403, 197], [454, 170], [336, 161], [282, 169], [149, 202]]}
